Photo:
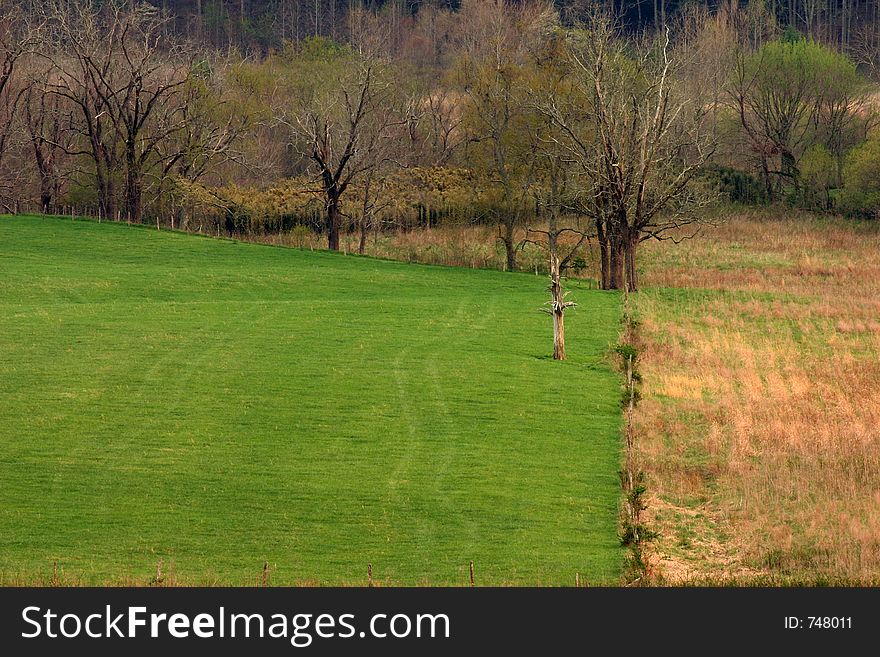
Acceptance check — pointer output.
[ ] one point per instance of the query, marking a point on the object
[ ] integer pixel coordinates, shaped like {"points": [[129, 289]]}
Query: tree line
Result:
{"points": [[264, 24]]}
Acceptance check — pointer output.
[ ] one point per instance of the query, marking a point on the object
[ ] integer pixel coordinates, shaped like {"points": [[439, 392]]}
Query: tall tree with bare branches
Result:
{"points": [[115, 65], [49, 137], [638, 141], [560, 228], [17, 37], [342, 113]]}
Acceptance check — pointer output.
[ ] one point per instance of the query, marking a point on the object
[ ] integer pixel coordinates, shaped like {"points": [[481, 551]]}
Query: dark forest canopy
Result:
{"points": [[267, 23]]}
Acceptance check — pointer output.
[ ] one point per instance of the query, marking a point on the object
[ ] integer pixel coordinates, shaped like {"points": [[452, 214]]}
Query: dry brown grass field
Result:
{"points": [[759, 427], [474, 246]]}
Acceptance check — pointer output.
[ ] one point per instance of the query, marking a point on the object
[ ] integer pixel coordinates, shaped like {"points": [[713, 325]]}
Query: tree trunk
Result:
{"points": [[46, 188], [768, 182], [613, 236], [101, 188], [616, 261], [604, 264], [789, 168], [509, 243], [133, 198], [362, 242], [179, 217], [107, 196], [333, 222], [630, 264], [46, 182], [557, 307], [366, 213]]}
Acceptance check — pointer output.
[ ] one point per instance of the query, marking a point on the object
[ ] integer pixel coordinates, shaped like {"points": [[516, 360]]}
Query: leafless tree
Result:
{"points": [[565, 233], [560, 228], [638, 142], [115, 67], [49, 138], [437, 131], [343, 125], [17, 37], [865, 47]]}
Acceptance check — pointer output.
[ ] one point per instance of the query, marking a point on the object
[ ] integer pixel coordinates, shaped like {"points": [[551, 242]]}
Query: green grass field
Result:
{"points": [[215, 405]]}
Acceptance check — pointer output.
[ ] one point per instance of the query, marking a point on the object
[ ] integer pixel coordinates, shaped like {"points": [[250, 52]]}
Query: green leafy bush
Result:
{"points": [[818, 177], [860, 196]]}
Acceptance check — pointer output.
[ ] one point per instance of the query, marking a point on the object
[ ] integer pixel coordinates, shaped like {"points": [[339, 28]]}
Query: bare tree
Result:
{"points": [[343, 114], [565, 233], [865, 47], [371, 203], [561, 229], [437, 131], [17, 37], [115, 67], [50, 137], [638, 143]]}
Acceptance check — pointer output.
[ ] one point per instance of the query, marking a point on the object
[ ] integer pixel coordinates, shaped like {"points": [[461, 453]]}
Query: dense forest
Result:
{"points": [[560, 124], [268, 23]]}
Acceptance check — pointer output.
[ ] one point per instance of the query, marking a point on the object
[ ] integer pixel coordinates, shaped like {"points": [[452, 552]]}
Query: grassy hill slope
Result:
{"points": [[213, 405]]}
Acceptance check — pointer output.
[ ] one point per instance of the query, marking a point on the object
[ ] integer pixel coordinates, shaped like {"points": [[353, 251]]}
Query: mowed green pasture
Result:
{"points": [[215, 405]]}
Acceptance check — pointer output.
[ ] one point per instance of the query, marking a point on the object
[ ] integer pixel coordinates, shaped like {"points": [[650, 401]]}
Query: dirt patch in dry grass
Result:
{"points": [[760, 420]]}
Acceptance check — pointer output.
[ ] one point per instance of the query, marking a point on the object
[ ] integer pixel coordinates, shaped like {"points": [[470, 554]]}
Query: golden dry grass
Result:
{"points": [[472, 245], [760, 421]]}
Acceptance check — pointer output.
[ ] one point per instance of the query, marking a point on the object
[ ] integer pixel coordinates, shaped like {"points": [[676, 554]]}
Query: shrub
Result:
{"points": [[818, 177], [861, 193], [735, 185]]}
